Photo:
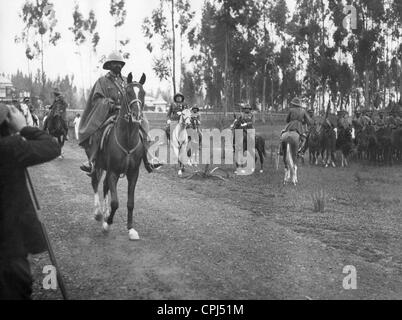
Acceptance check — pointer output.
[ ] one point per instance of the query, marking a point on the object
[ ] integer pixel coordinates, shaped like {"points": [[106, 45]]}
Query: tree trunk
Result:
{"points": [[41, 51], [264, 86], [174, 50], [225, 107], [366, 89], [400, 83]]}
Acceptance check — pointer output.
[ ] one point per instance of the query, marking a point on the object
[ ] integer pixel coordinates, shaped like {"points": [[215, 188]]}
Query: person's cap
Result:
{"points": [[195, 108], [246, 106], [3, 112], [178, 95], [115, 56], [310, 111], [296, 102], [26, 99]]}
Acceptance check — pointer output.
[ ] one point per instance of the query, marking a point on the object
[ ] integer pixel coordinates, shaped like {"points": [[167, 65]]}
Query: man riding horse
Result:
{"points": [[174, 111], [58, 108], [105, 100], [295, 120]]}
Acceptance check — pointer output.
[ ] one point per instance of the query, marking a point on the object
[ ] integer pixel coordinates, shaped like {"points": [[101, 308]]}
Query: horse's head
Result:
{"points": [[135, 95], [185, 118]]}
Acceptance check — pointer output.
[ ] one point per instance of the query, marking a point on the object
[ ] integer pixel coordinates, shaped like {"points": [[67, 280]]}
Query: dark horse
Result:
{"points": [[259, 143], [328, 144], [121, 154], [314, 143], [55, 126]]}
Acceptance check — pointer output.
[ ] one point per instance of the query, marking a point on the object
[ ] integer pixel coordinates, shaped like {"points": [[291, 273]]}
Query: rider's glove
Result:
{"points": [[168, 121]]}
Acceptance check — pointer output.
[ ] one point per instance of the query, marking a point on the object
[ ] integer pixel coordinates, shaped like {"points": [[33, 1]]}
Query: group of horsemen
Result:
{"points": [[107, 95]]}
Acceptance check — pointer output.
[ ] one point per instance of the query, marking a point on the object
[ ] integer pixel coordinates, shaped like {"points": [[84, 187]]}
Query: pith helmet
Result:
{"points": [[115, 56], [296, 102], [178, 95]]}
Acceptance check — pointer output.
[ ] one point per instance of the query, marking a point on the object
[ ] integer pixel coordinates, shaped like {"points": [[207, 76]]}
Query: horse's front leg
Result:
{"points": [[95, 179], [132, 178], [114, 201]]}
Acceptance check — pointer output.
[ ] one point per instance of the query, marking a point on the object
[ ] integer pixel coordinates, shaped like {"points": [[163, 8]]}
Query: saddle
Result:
{"points": [[107, 127]]}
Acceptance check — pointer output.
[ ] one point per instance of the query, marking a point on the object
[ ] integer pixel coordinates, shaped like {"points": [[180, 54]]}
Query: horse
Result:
{"points": [[290, 144], [55, 127], [314, 143], [344, 143], [121, 155], [179, 139], [370, 136], [385, 146], [328, 144], [259, 143]]}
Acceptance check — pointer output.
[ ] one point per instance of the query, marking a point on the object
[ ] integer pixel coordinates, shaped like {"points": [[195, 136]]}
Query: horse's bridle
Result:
{"points": [[182, 122]]}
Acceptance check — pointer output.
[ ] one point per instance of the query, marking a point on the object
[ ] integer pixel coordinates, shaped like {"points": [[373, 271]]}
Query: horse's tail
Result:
{"points": [[289, 158]]}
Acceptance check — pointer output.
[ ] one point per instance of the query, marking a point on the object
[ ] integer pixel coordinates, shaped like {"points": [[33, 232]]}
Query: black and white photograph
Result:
{"points": [[203, 152]]}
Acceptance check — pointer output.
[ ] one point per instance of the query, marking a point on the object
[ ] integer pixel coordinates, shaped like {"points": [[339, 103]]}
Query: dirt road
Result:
{"points": [[204, 240]]}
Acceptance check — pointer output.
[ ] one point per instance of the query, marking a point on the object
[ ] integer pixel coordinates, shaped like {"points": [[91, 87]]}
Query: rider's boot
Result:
{"points": [[91, 149]]}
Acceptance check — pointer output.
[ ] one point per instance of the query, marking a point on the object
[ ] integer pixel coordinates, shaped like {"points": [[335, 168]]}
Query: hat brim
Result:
{"points": [[107, 63]]}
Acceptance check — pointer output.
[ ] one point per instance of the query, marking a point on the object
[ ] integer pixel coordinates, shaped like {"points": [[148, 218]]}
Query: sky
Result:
{"points": [[61, 59]]}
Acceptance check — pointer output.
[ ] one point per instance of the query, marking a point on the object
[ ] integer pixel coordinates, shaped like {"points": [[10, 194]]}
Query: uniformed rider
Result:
{"points": [[105, 100], [296, 119]]}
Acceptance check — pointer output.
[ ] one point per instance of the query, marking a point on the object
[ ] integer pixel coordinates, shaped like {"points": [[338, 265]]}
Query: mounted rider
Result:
{"points": [[175, 108], [246, 117], [296, 119], [380, 121], [343, 121], [58, 107], [24, 107], [105, 101]]}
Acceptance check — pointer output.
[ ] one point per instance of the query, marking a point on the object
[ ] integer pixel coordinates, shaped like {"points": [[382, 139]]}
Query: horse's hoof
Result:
{"points": [[105, 227], [133, 235], [98, 216]]}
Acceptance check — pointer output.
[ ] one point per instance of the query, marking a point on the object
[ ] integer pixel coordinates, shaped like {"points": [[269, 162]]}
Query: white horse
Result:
{"points": [[290, 143], [179, 139]]}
